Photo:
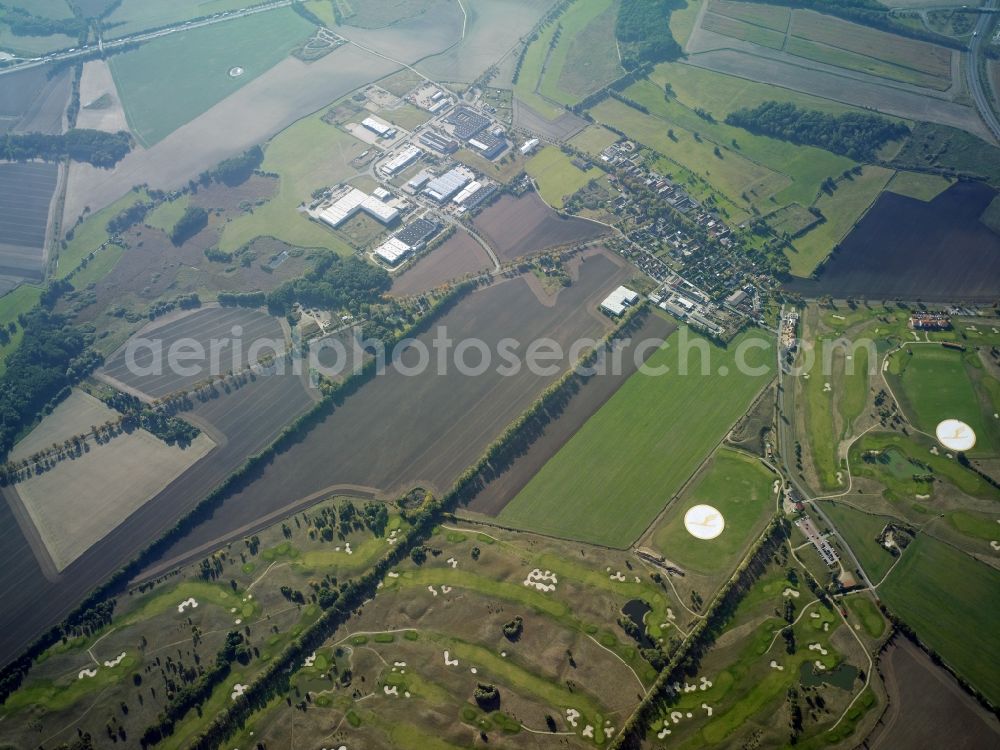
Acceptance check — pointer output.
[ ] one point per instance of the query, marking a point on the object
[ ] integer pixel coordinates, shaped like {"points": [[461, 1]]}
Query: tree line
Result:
{"points": [[852, 134], [80, 144], [334, 283], [643, 31]]}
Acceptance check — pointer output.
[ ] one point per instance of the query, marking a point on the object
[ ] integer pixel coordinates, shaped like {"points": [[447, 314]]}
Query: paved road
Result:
{"points": [[972, 69], [102, 46]]}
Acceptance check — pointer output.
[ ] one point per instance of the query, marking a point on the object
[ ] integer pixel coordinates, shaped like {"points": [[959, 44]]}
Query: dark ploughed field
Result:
{"points": [[591, 397], [459, 255], [906, 248], [516, 227], [25, 193], [927, 708]]}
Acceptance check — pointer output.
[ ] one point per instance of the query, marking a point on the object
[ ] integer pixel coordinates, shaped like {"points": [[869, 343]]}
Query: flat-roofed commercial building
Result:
{"points": [[619, 301], [356, 200], [443, 187]]}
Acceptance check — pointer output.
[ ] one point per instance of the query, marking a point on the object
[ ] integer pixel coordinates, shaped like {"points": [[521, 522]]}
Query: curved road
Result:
{"points": [[975, 83]]}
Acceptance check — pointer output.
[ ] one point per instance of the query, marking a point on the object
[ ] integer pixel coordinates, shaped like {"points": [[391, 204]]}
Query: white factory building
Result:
{"points": [[401, 161], [442, 188], [465, 192], [355, 200], [529, 146], [619, 301], [392, 251], [381, 129]]}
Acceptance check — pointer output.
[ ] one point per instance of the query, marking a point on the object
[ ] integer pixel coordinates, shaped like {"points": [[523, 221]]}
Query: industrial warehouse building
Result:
{"points": [[619, 301], [401, 161], [442, 188], [433, 139], [406, 241], [355, 200], [466, 123], [489, 145], [381, 129]]}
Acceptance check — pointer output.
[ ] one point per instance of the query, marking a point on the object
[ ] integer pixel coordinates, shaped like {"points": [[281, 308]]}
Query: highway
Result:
{"points": [[972, 68], [101, 46]]}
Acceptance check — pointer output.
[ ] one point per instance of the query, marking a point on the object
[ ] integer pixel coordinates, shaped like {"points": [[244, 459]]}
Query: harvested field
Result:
{"points": [[560, 128], [768, 16], [926, 706], [46, 113], [907, 248], [747, 32], [77, 502], [400, 430], [241, 423], [591, 397], [458, 256], [100, 107], [269, 103], [25, 195], [132, 16], [516, 227], [200, 328]]}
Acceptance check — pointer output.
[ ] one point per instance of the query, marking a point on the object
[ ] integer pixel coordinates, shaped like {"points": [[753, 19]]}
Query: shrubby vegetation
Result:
{"points": [[25, 23], [136, 414], [92, 146], [335, 283], [129, 217], [858, 136], [193, 221], [643, 29], [236, 170]]}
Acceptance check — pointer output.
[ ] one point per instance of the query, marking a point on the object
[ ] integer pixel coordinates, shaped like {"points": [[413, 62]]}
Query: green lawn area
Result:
{"points": [[924, 187], [199, 61], [935, 384], [805, 166], [292, 154], [168, 213], [865, 610], [133, 16], [593, 139], [646, 441], [682, 21], [557, 176], [585, 57], [731, 174], [951, 601], [975, 525], [16, 301], [747, 32], [529, 78], [739, 487], [896, 471], [861, 531], [849, 202], [93, 232]]}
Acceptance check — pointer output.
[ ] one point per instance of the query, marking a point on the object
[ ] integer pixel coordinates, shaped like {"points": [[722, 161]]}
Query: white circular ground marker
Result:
{"points": [[956, 435], [235, 72], [704, 522]]}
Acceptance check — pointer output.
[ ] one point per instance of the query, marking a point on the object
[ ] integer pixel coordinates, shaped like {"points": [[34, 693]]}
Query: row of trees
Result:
{"points": [[334, 283], [80, 144], [853, 134]]}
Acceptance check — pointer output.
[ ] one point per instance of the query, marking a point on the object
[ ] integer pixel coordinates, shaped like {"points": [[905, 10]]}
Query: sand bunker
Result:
{"points": [[192, 602], [116, 661], [448, 661], [543, 581]]}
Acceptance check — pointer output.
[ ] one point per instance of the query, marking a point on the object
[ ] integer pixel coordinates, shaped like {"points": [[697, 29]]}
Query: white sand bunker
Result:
{"points": [[995, 545], [572, 715], [116, 661], [588, 731], [236, 71], [543, 581], [814, 615], [775, 665], [708, 708], [393, 536], [310, 660], [663, 732], [817, 647], [432, 590], [448, 661], [192, 602], [393, 574], [391, 690], [705, 684], [956, 435], [238, 690], [704, 522], [819, 665], [790, 592], [87, 673], [617, 576], [446, 589], [347, 549], [452, 562], [827, 388]]}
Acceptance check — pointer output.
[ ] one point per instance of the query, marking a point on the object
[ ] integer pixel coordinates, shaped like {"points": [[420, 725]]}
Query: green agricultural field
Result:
{"points": [[594, 139], [747, 32], [199, 62], [976, 525], [557, 176], [529, 77], [950, 600], [92, 233], [768, 16], [585, 57], [842, 58], [731, 173], [842, 210], [133, 16], [861, 531], [647, 440], [934, 383], [806, 167], [683, 19], [292, 156], [924, 187], [168, 213], [33, 46], [18, 300], [738, 486]]}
